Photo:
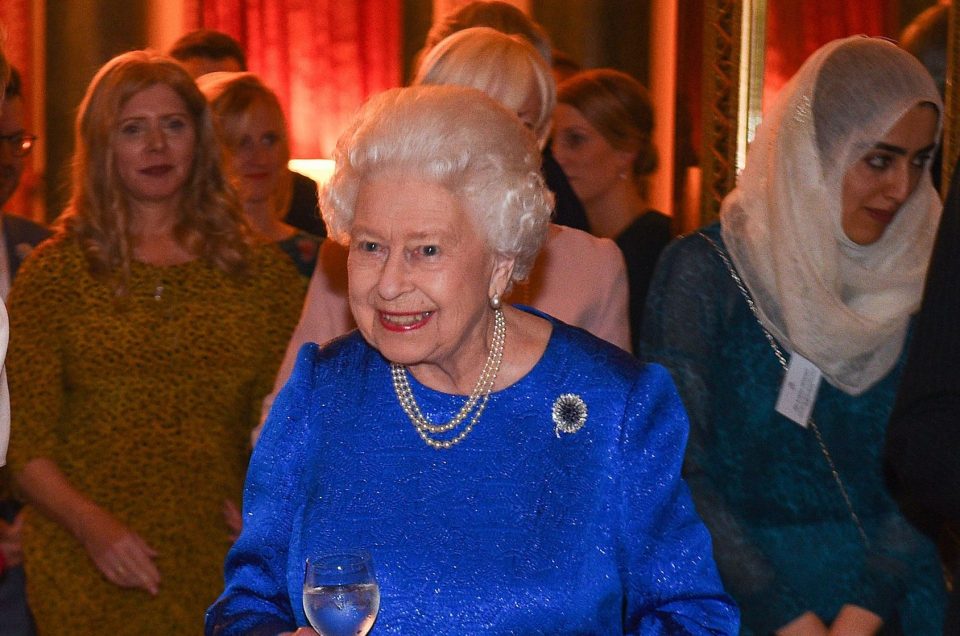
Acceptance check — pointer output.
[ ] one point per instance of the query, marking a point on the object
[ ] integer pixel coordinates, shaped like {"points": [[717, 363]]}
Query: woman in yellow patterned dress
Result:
{"points": [[144, 335]]}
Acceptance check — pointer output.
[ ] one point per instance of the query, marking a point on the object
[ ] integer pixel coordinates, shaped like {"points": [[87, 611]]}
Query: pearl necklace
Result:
{"points": [[476, 402]]}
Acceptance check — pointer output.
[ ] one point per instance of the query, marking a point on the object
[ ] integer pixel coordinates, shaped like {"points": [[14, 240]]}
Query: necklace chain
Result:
{"points": [[476, 401]]}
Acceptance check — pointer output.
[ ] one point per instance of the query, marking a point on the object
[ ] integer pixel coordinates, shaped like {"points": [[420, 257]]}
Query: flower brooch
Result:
{"points": [[569, 414]]}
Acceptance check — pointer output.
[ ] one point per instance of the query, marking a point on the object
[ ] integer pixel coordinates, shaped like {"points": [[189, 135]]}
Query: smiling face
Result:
{"points": [[421, 275], [154, 146], [257, 152], [878, 183], [591, 164]]}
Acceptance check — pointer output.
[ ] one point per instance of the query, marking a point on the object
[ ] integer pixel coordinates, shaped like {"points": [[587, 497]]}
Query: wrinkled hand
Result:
{"points": [[854, 620], [119, 553], [807, 624], [231, 515], [10, 544]]}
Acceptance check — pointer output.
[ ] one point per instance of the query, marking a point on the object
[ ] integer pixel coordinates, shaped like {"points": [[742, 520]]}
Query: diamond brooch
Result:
{"points": [[569, 414]]}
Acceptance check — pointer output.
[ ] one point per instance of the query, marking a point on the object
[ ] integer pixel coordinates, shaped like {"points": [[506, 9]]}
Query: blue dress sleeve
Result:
{"points": [[256, 599], [671, 582]]}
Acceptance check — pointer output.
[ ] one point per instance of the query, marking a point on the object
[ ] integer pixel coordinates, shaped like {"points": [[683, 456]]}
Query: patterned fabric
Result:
{"points": [[783, 537], [145, 403], [521, 528]]}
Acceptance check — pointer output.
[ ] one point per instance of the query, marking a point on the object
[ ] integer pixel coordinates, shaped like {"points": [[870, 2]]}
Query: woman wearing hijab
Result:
{"points": [[784, 327]]}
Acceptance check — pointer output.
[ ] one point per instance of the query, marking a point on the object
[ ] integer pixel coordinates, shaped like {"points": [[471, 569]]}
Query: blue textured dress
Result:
{"points": [[518, 529], [784, 539]]}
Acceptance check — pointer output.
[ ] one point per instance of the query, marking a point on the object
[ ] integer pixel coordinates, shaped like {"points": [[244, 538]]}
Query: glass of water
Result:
{"points": [[340, 594]]}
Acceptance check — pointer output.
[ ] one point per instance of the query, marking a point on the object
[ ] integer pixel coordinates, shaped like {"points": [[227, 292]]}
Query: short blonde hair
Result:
{"points": [[456, 137], [209, 222], [505, 67], [232, 97]]}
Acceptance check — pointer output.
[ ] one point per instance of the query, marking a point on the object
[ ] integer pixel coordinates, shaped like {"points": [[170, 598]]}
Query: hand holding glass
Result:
{"points": [[340, 594]]}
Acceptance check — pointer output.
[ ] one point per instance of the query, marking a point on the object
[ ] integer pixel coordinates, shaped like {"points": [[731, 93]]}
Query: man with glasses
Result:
{"points": [[20, 235], [17, 237]]}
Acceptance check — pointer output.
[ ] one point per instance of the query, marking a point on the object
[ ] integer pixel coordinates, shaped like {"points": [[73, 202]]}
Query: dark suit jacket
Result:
{"points": [[304, 211], [923, 439]]}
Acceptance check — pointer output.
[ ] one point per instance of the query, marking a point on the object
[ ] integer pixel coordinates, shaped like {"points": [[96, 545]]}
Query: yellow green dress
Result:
{"points": [[145, 402]]}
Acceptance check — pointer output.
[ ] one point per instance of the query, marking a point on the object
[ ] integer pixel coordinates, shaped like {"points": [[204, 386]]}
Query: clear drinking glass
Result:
{"points": [[340, 594]]}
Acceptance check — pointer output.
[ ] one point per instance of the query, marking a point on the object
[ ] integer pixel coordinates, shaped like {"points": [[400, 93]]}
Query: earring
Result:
{"points": [[495, 301]]}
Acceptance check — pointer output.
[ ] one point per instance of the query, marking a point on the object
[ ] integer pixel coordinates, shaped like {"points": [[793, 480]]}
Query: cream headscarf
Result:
{"points": [[843, 306]]}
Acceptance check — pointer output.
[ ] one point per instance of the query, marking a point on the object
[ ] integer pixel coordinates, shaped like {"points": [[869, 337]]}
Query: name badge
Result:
{"points": [[799, 390]]}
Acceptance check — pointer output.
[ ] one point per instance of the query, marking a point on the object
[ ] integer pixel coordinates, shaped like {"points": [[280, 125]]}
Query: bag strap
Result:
{"points": [[782, 359]]}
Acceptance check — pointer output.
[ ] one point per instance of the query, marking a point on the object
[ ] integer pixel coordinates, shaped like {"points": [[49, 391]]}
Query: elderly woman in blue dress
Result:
{"points": [[508, 473]]}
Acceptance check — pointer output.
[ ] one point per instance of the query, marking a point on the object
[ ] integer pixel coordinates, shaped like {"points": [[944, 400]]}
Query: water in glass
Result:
{"points": [[340, 594]]}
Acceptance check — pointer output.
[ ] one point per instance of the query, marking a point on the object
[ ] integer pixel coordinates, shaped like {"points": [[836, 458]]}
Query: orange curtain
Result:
{"points": [[324, 58], [797, 29]]}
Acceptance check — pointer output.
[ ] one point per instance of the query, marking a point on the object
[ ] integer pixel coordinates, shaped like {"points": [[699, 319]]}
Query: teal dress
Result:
{"points": [[785, 540]]}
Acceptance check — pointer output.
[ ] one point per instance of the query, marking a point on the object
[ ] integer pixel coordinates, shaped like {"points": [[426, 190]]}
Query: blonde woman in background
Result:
{"points": [[253, 130]]}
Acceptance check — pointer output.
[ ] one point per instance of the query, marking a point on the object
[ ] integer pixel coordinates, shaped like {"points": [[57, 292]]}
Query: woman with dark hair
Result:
{"points": [[603, 127], [146, 331]]}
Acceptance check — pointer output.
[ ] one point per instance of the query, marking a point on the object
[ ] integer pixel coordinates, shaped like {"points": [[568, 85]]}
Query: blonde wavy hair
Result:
{"points": [[233, 96], [209, 221]]}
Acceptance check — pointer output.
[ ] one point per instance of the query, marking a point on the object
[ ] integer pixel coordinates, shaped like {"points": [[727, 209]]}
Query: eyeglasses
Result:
{"points": [[19, 143]]}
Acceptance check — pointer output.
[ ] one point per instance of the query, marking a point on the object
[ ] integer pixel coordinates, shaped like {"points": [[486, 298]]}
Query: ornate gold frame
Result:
{"points": [[732, 78], [721, 84], [951, 126]]}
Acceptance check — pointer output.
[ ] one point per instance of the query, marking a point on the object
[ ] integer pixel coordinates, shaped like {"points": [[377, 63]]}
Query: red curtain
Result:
{"points": [[322, 57], [16, 19], [797, 29]]}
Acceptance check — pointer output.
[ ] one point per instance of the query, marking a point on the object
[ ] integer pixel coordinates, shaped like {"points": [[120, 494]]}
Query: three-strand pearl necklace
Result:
{"points": [[476, 401]]}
